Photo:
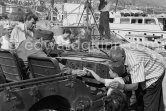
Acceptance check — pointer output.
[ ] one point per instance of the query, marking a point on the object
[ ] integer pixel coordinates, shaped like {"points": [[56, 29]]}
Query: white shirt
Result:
{"points": [[19, 34], [61, 41], [5, 44], [108, 81]]}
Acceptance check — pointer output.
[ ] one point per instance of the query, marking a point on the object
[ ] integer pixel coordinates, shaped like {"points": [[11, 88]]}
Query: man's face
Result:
{"points": [[118, 68], [9, 32], [31, 24]]}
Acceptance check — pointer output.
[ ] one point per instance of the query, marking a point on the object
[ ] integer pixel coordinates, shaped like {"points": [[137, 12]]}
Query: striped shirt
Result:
{"points": [[144, 65]]}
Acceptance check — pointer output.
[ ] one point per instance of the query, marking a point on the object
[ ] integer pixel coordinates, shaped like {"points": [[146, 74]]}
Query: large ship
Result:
{"points": [[137, 23]]}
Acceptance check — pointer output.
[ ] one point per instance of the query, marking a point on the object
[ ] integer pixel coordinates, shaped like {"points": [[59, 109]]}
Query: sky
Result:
{"points": [[153, 2], [158, 2], [150, 2], [146, 2]]}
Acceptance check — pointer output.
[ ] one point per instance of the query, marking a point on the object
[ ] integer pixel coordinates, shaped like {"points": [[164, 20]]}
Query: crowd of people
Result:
{"points": [[144, 68]]}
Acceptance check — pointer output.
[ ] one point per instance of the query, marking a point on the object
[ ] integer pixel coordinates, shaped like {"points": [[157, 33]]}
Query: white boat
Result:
{"points": [[133, 23]]}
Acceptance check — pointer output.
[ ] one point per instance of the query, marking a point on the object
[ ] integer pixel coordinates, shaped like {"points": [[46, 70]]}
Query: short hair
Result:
{"points": [[66, 31], [116, 101], [29, 16]]}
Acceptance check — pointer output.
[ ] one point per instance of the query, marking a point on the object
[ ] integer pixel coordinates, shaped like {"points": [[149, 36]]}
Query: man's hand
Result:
{"points": [[116, 85], [79, 72], [87, 70], [108, 63], [110, 71]]}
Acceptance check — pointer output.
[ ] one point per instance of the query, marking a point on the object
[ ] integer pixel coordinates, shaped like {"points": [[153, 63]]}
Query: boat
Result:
{"points": [[137, 23]]}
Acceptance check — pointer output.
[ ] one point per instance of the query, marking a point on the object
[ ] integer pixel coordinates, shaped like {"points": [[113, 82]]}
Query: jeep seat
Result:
{"points": [[43, 66], [10, 66]]}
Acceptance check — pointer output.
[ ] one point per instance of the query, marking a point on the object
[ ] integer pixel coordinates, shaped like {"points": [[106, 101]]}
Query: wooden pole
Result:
{"points": [[116, 5]]}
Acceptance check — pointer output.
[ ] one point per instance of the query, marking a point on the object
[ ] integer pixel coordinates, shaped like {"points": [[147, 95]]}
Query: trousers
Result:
{"points": [[153, 96]]}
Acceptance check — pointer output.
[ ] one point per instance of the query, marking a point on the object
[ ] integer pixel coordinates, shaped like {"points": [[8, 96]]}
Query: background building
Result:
{"points": [[2, 8]]}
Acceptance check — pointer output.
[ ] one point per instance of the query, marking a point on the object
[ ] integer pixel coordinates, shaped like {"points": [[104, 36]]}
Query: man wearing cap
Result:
{"points": [[33, 45], [146, 68]]}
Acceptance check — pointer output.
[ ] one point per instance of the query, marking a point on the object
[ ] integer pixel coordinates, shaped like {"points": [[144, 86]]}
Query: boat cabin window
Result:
{"points": [[150, 21], [140, 39], [125, 20], [111, 20], [164, 24], [140, 21], [164, 21], [133, 21], [136, 21], [161, 21]]}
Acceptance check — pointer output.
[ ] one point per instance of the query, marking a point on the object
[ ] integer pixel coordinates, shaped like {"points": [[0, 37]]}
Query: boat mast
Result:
{"points": [[51, 9], [116, 5]]}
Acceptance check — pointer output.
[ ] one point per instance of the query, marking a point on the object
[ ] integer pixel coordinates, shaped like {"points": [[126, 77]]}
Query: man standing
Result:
{"points": [[146, 68], [104, 8], [23, 30]]}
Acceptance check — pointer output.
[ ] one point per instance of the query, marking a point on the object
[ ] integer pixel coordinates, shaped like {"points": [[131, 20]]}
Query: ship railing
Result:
{"points": [[118, 36]]}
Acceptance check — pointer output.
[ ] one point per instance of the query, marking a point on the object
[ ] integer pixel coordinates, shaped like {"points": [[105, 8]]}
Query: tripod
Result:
{"points": [[88, 9]]}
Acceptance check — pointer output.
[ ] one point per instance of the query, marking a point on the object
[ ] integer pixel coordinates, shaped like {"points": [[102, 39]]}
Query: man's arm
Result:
{"points": [[137, 76], [108, 0], [98, 78], [126, 87], [71, 71], [13, 35], [129, 87]]}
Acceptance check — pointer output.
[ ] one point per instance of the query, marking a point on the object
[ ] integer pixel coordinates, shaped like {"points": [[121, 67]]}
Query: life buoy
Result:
{"points": [[59, 17]]}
